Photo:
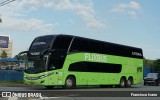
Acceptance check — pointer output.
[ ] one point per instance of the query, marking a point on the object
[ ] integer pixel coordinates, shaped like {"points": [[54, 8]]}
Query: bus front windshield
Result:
{"points": [[38, 64], [41, 43]]}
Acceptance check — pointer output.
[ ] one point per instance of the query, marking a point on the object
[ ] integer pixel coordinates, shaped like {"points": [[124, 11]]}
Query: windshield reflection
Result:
{"points": [[41, 43], [37, 66]]}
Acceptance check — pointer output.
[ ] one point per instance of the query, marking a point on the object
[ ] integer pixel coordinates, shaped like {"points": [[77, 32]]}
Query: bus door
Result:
{"points": [[55, 65]]}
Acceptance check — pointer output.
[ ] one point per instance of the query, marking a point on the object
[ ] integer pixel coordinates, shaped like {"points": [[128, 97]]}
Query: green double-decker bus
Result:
{"points": [[70, 61]]}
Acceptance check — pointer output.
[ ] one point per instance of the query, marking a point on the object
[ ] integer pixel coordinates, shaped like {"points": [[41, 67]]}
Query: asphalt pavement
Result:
{"points": [[139, 92]]}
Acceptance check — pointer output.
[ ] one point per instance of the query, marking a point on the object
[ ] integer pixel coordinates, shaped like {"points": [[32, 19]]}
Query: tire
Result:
{"points": [[122, 83], [128, 83], [49, 87], [144, 83], [70, 83]]}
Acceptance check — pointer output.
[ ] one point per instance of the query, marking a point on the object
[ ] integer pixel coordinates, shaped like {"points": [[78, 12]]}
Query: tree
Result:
{"points": [[156, 65], [21, 57], [148, 63], [16, 56], [4, 54]]}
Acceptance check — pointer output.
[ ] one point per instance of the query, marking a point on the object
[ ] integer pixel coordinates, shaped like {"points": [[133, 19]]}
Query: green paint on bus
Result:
{"points": [[70, 61]]}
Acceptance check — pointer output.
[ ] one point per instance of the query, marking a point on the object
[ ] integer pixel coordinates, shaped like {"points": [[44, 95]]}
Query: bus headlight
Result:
{"points": [[45, 75], [39, 77], [42, 76]]}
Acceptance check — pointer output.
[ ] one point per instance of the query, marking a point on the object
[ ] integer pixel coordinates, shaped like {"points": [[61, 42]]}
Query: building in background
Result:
{"points": [[6, 45]]}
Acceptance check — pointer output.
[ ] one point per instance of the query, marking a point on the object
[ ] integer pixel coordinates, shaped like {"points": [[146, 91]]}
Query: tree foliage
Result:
{"points": [[156, 65], [148, 63], [22, 57], [4, 54]]}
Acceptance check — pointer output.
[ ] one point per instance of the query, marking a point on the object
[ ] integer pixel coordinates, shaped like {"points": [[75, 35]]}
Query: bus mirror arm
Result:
{"points": [[44, 51], [18, 57]]}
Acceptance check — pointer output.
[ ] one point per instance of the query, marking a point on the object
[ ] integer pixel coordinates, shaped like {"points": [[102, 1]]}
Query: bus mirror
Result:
{"points": [[19, 55]]}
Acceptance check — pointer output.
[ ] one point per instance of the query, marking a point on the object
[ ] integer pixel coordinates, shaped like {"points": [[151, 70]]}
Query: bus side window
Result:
{"points": [[52, 67], [79, 45], [95, 67], [62, 42], [139, 69], [79, 66]]}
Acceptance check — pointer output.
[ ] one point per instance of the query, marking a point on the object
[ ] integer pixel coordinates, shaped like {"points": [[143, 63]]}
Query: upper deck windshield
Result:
{"points": [[41, 43], [48, 53]]}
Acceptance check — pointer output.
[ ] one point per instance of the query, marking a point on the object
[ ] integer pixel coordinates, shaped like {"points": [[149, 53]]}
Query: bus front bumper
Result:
{"points": [[40, 79]]}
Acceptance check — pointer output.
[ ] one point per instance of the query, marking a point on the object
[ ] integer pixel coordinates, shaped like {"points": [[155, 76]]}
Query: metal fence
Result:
{"points": [[11, 76], [148, 70]]}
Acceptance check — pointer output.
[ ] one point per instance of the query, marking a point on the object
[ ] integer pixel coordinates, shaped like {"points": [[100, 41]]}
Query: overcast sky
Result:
{"points": [[129, 22]]}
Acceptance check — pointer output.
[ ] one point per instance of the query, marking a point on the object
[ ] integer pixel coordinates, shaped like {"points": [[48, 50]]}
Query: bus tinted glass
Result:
{"points": [[79, 45], [95, 46], [62, 42], [41, 43], [95, 67]]}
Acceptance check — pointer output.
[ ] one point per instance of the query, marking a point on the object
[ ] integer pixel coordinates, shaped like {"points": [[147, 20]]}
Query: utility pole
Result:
{"points": [[0, 20], [5, 2], [0, 15]]}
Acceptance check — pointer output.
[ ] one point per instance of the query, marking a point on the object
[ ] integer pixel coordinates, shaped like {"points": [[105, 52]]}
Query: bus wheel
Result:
{"points": [[122, 83], [70, 82], [128, 83], [49, 87]]}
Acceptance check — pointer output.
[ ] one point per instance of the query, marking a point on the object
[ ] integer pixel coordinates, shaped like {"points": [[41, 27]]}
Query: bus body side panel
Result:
{"points": [[130, 67], [80, 77], [34, 79]]}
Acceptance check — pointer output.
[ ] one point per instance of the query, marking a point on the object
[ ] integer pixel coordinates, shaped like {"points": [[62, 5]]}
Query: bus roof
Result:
{"points": [[94, 40]]}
